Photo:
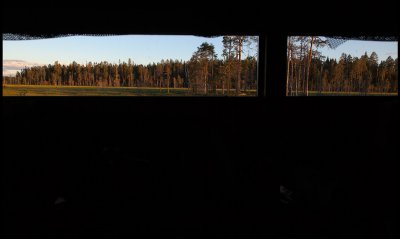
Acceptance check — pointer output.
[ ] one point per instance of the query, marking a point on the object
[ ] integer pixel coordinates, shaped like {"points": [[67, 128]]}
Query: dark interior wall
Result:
{"points": [[170, 167], [200, 166]]}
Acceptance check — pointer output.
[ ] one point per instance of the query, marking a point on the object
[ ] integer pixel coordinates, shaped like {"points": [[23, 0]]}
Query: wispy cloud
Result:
{"points": [[9, 72], [10, 67], [391, 53], [17, 64]]}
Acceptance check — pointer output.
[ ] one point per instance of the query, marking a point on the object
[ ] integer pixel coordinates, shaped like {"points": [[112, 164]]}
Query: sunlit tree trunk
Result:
{"points": [[309, 63], [288, 67]]}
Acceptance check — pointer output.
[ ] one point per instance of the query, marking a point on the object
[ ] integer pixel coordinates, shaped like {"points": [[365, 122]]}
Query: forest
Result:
{"points": [[362, 74], [204, 73], [308, 71]]}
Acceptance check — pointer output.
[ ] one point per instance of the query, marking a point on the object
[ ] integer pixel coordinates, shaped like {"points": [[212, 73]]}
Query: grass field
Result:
{"points": [[45, 90], [328, 93]]}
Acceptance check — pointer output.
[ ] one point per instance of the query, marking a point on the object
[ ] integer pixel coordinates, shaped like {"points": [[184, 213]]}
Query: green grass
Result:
{"points": [[330, 93], [45, 90]]}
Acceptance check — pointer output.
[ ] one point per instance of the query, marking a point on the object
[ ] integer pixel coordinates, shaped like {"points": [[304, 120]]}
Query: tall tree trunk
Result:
{"points": [[320, 83], [309, 63], [301, 70], [291, 79], [214, 83], [205, 78], [298, 80], [229, 80], [168, 85], [288, 67], [239, 70]]}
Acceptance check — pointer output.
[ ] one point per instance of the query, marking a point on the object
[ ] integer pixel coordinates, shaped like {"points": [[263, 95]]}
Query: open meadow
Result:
{"points": [[46, 90]]}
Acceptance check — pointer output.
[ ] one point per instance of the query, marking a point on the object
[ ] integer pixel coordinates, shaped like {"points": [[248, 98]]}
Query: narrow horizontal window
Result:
{"points": [[342, 66], [129, 65]]}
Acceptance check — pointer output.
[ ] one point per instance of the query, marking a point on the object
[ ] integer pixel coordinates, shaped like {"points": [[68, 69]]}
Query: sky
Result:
{"points": [[358, 48], [142, 49]]}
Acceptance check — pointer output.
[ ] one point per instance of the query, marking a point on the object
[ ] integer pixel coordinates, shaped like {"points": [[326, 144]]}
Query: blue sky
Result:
{"points": [[142, 49], [358, 48]]}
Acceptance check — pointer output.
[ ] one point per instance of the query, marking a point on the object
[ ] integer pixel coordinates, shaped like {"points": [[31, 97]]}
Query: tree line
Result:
{"points": [[309, 70], [204, 73]]}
